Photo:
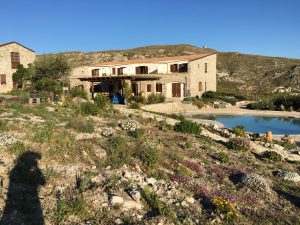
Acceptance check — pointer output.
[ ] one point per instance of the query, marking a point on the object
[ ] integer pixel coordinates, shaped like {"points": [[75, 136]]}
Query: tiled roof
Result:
{"points": [[154, 60], [13, 42]]}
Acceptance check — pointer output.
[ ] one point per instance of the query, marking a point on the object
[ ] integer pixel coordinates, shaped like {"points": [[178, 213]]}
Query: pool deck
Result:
{"points": [[240, 110]]}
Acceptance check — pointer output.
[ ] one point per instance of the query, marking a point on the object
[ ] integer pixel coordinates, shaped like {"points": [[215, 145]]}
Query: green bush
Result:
{"points": [[103, 102], [222, 157], [81, 125], [150, 157], [155, 98], [239, 144], [117, 151], [156, 206], [265, 104], [137, 133], [135, 105], [76, 92], [212, 96], [187, 126], [274, 156], [199, 103], [88, 108], [289, 102], [239, 130], [138, 99]]}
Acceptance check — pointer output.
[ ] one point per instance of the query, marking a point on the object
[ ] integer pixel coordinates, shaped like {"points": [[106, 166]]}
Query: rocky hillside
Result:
{"points": [[59, 165], [247, 72]]}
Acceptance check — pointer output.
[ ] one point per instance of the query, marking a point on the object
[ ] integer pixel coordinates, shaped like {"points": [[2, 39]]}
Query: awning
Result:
{"points": [[119, 77]]}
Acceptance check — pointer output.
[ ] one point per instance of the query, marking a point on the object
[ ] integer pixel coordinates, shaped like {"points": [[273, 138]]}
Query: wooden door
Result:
{"points": [[176, 90]]}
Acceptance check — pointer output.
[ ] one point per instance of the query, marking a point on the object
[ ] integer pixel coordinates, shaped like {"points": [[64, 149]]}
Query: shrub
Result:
{"points": [[155, 98], [138, 99], [88, 108], [196, 167], [81, 125], [187, 126], [239, 130], [150, 157], [148, 153], [188, 145], [20, 93], [135, 105], [137, 133], [183, 171], [226, 207], [103, 102], [199, 103], [239, 144], [222, 157], [288, 102], [274, 156], [256, 182], [75, 92], [156, 206], [265, 104], [117, 150]]}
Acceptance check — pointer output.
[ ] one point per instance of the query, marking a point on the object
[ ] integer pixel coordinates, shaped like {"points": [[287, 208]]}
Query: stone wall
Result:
{"points": [[26, 57]]}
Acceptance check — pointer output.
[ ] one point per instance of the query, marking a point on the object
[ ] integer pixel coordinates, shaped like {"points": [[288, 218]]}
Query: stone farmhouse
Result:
{"points": [[174, 77], [11, 55]]}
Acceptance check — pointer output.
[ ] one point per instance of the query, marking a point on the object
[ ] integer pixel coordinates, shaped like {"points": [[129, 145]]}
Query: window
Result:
{"points": [[183, 68], [174, 68], [120, 71], [113, 71], [141, 70], [158, 87], [2, 79], [95, 73], [149, 87], [200, 86], [15, 59], [205, 67]]}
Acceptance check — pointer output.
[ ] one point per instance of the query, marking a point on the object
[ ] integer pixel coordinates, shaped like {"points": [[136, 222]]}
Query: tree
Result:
{"points": [[51, 73], [54, 67], [23, 75]]}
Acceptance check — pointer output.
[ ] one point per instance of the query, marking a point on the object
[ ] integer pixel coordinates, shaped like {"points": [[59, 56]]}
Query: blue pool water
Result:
{"points": [[258, 124]]}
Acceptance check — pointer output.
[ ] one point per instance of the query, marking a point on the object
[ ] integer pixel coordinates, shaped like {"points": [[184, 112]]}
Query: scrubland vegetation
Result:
{"points": [[104, 165]]}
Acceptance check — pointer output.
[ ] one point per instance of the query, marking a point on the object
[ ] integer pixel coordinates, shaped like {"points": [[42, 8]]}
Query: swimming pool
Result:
{"points": [[257, 124]]}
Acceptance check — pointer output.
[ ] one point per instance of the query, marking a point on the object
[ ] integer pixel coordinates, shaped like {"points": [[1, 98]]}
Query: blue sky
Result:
{"points": [[265, 27]]}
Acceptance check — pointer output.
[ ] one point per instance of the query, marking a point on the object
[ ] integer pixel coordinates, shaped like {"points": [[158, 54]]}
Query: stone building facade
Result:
{"points": [[11, 55], [174, 77]]}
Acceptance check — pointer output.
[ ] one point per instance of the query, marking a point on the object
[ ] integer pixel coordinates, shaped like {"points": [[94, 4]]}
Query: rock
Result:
{"points": [[151, 181], [116, 200], [128, 205], [100, 152], [190, 200], [78, 100], [289, 176], [126, 174], [135, 195], [118, 221], [51, 109], [184, 204]]}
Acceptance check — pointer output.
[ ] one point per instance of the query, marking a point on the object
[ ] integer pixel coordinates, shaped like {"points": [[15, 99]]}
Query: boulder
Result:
{"points": [[135, 195], [116, 200], [129, 205]]}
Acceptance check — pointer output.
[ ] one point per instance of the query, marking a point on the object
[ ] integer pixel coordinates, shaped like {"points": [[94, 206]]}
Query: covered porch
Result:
{"points": [[113, 86]]}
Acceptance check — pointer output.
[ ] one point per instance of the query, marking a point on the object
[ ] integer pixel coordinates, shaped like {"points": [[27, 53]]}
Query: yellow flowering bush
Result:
{"points": [[226, 207]]}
